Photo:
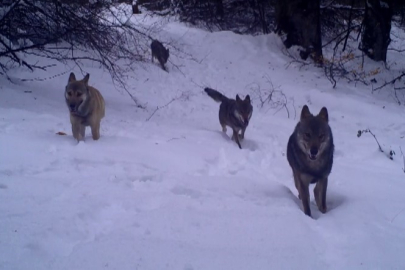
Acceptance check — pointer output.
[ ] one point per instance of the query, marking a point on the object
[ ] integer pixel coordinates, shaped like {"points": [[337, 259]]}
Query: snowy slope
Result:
{"points": [[174, 193]]}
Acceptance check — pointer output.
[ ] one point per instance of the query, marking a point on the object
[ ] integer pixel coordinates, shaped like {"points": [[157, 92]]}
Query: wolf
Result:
{"points": [[159, 52], [233, 113], [310, 151], [86, 107]]}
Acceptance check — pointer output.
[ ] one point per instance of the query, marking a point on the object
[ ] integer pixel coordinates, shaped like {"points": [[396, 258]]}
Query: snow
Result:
{"points": [[173, 192]]}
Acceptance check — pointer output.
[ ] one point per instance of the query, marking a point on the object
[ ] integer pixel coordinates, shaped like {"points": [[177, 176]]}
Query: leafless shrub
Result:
{"points": [[271, 98], [390, 154]]}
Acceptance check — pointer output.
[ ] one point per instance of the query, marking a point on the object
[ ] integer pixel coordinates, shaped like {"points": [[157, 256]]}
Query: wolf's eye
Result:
{"points": [[307, 135], [79, 94], [321, 137], [69, 94]]}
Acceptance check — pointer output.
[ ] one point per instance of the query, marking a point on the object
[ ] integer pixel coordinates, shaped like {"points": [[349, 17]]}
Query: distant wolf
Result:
{"points": [[310, 154], [86, 106], [233, 113], [159, 52]]}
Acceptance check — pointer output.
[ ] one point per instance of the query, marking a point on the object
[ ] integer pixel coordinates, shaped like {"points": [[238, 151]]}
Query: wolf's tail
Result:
{"points": [[215, 95]]}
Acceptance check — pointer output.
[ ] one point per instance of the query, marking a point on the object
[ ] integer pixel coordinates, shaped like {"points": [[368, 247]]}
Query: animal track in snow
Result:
{"points": [[185, 191]]}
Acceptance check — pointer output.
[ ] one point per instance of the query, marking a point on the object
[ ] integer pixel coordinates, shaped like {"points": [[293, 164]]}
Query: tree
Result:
{"points": [[377, 27], [300, 21]]}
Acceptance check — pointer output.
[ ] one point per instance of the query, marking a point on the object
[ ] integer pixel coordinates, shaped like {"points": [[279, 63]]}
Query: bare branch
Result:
{"points": [[181, 96], [390, 154], [390, 82]]}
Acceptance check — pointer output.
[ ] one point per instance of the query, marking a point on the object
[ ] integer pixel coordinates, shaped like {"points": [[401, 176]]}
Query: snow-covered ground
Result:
{"points": [[174, 192]]}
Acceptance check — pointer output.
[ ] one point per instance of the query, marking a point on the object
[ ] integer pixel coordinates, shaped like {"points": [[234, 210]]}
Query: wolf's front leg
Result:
{"points": [[303, 190], [320, 194], [242, 135], [235, 136], [95, 131], [78, 131]]}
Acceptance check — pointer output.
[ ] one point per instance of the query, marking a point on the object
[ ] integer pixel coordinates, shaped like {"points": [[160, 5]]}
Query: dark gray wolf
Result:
{"points": [[160, 53], [310, 155], [233, 113], [86, 106]]}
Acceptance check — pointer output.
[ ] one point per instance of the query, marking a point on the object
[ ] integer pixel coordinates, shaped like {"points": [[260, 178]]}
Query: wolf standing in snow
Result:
{"points": [[159, 52], [86, 106], [233, 113], [310, 155]]}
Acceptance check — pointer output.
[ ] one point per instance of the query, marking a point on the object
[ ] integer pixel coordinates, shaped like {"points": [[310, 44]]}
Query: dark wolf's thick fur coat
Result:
{"points": [[310, 151], [235, 113]]}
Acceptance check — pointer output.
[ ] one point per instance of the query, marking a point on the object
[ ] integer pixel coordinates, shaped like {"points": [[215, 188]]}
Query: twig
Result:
{"points": [[390, 154], [172, 139], [360, 132], [395, 50], [134, 99], [392, 220], [390, 82], [295, 111], [165, 105]]}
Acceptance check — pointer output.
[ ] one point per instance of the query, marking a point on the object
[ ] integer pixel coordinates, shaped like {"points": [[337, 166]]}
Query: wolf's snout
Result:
{"points": [[313, 152], [72, 107]]}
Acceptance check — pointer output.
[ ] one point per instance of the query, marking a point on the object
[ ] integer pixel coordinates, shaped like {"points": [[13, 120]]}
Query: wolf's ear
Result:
{"points": [[238, 98], [324, 114], [86, 79], [247, 98], [305, 113], [72, 77]]}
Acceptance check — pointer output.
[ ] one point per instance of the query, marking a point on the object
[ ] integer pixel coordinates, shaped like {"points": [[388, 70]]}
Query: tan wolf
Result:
{"points": [[86, 106]]}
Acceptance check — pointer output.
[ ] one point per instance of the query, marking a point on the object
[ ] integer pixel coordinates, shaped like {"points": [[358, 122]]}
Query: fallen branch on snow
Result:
{"points": [[182, 95], [390, 154]]}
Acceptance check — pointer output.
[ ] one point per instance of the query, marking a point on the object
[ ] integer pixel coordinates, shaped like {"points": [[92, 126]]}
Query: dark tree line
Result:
{"points": [[90, 30], [240, 16], [307, 23]]}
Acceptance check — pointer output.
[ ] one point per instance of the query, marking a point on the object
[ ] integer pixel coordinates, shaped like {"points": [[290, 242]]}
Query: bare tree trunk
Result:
{"points": [[300, 20], [262, 15], [220, 8], [377, 27]]}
